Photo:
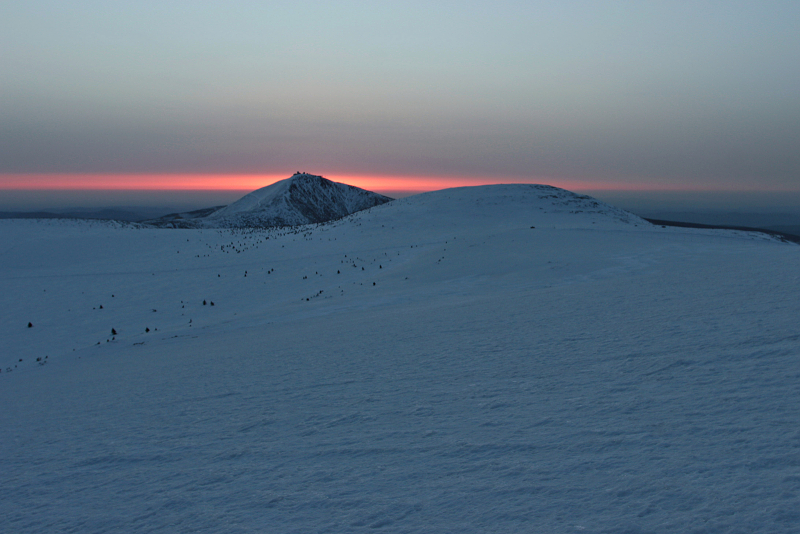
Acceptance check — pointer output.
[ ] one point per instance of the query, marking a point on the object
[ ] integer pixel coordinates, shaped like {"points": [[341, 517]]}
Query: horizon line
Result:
{"points": [[250, 182]]}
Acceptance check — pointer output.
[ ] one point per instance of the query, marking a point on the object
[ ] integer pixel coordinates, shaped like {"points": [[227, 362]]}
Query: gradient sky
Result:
{"points": [[641, 95]]}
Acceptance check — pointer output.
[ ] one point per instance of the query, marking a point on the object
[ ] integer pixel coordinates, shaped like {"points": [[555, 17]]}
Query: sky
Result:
{"points": [[637, 96]]}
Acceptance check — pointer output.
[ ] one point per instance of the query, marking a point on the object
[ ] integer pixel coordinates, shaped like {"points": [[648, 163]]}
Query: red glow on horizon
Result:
{"points": [[250, 182], [243, 182]]}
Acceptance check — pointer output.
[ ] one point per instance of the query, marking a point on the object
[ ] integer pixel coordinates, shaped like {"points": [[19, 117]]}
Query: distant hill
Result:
{"points": [[131, 214], [774, 232], [786, 229], [185, 219]]}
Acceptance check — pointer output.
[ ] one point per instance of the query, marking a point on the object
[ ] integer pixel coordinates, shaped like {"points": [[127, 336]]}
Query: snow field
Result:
{"points": [[586, 375]]}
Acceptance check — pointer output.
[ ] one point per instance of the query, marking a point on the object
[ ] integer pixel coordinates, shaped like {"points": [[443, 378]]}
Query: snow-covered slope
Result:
{"points": [[507, 206], [502, 358], [301, 199]]}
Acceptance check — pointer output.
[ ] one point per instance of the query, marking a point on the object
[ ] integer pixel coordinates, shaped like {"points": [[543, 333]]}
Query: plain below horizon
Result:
{"points": [[743, 208]]}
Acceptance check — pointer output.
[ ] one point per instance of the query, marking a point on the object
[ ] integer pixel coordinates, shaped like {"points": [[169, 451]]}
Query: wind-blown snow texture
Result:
{"points": [[301, 199], [492, 359]]}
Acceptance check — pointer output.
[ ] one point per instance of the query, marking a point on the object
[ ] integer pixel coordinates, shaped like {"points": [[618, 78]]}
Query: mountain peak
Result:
{"points": [[301, 199]]}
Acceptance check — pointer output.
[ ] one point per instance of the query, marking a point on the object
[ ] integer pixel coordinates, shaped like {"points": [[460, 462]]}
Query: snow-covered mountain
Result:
{"points": [[511, 358], [301, 199]]}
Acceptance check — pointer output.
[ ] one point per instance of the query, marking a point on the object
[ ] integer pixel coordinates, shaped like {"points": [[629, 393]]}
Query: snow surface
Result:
{"points": [[491, 359]]}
